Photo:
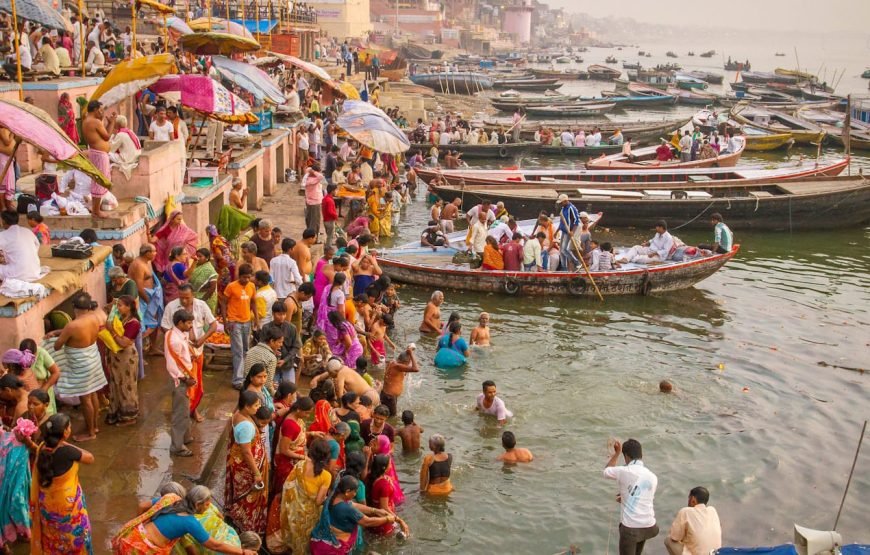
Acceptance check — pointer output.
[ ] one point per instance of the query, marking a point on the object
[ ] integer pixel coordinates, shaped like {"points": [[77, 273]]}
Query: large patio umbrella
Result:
{"points": [[203, 94], [216, 43], [177, 26], [162, 9], [348, 89], [38, 11], [370, 126], [251, 78], [219, 24], [33, 125], [307, 67], [131, 76]]}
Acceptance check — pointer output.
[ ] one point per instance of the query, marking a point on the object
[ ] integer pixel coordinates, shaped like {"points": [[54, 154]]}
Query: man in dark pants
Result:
{"points": [[637, 489], [179, 364]]}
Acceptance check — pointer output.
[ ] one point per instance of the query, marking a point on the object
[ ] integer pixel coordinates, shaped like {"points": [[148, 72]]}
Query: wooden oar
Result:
{"points": [[580, 256]]}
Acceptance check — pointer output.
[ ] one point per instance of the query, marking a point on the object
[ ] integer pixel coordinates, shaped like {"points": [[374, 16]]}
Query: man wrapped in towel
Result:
{"points": [[83, 374], [7, 184], [97, 136]]}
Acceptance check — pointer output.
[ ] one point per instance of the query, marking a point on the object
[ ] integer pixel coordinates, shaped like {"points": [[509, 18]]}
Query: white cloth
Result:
{"points": [[497, 408], [202, 319], [95, 60], [532, 252], [478, 237], [686, 143], [161, 132], [444, 140], [593, 139], [81, 190], [15, 288], [637, 489], [285, 275], [475, 210], [499, 231], [662, 244], [123, 153], [21, 249], [567, 138]]}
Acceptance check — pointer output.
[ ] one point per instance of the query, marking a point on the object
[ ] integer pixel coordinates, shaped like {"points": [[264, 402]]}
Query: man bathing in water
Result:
{"points": [[394, 377], [410, 432], [97, 137], [480, 334], [512, 453], [346, 379], [432, 314], [489, 403]]}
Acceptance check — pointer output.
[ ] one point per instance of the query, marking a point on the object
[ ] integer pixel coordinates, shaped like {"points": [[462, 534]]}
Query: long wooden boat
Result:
{"points": [[577, 151], [460, 82], [435, 268], [506, 150], [576, 110], [603, 73], [805, 204], [511, 103], [570, 179], [763, 77], [558, 74], [757, 140], [690, 83], [642, 131], [709, 77], [833, 122], [775, 121], [526, 84], [636, 99], [646, 157], [693, 97]]}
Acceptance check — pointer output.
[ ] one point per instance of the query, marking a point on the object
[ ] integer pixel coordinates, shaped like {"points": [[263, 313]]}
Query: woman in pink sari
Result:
{"points": [[66, 117], [174, 233], [385, 447]]}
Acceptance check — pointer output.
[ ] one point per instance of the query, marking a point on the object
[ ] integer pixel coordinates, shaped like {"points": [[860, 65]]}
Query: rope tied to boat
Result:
{"points": [[701, 213]]}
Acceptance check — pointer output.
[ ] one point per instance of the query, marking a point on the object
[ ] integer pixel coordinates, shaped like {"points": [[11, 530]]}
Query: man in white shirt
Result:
{"points": [[595, 138], [76, 38], [477, 235], [286, 278], [637, 489], [686, 147], [444, 139], [96, 58], [161, 129], [19, 250], [658, 249], [532, 250], [485, 207], [696, 529], [567, 138], [502, 232]]}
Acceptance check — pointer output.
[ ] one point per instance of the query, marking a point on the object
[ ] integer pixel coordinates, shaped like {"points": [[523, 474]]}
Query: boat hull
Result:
{"points": [[652, 279], [507, 150], [764, 143], [456, 83]]}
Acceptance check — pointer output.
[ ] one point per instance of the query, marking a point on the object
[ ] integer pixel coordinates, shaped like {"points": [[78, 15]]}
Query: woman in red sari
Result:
{"points": [[322, 418], [66, 117], [246, 497], [381, 494], [292, 438], [174, 233]]}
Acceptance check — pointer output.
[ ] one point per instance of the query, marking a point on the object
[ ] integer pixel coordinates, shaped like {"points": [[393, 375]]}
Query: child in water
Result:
{"points": [[410, 432]]}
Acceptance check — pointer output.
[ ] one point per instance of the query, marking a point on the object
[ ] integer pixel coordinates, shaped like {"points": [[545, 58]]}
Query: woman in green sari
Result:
{"points": [[204, 279]]}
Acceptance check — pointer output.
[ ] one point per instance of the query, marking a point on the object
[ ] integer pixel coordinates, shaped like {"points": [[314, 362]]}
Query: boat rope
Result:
{"points": [[701, 213]]}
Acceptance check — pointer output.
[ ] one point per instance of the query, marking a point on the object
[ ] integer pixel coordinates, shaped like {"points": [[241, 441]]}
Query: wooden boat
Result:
{"points": [[792, 205], [737, 66], [639, 130], [768, 95], [763, 77], [509, 104], [576, 110], [434, 268], [670, 54], [564, 60], [708, 54], [691, 53], [833, 123], [577, 151], [712, 78], [634, 65], [779, 54], [646, 157], [506, 150], [693, 98], [562, 75], [757, 140], [530, 85], [637, 99], [603, 73], [610, 60], [866, 74], [690, 83], [653, 78], [811, 92], [803, 132], [656, 177], [461, 82]]}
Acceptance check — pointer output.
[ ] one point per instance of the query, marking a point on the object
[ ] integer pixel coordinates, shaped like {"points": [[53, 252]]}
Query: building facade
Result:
{"points": [[343, 18]]}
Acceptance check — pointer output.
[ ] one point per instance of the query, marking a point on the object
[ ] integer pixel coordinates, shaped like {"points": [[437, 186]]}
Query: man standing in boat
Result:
{"points": [[569, 221]]}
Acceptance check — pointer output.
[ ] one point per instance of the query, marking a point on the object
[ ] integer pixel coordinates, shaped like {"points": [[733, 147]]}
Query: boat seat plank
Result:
{"points": [[698, 194], [542, 193], [805, 188], [612, 193]]}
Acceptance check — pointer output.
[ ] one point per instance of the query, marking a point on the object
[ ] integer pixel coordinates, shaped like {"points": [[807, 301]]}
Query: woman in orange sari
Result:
{"points": [[492, 257], [157, 530], [246, 497], [60, 518]]}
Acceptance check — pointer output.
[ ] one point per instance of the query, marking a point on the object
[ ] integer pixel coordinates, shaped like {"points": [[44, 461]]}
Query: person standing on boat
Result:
{"points": [[723, 239], [637, 489], [696, 529], [617, 138], [686, 147], [664, 153], [595, 138], [569, 221]]}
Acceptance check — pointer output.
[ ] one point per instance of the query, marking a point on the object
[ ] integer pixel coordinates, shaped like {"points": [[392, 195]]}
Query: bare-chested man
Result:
{"points": [[432, 314], [238, 195], [512, 453], [480, 334], [150, 294], [82, 375], [97, 136], [249, 256], [301, 253], [394, 378], [7, 186], [410, 432], [449, 213], [346, 379]]}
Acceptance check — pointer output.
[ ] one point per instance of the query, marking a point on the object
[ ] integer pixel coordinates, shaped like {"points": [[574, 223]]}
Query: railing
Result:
{"points": [[264, 12]]}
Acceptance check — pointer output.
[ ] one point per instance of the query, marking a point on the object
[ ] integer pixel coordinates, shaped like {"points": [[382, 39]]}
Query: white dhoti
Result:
{"points": [[639, 255]]}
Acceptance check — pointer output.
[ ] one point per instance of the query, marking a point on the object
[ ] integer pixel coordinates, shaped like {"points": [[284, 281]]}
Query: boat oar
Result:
{"points": [[580, 256]]}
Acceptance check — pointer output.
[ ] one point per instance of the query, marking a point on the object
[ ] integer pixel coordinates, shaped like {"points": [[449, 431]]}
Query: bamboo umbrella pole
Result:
{"points": [[227, 4], [187, 12], [208, 9], [271, 14], [14, 148], [165, 37], [17, 38], [133, 30], [82, 29], [257, 18]]}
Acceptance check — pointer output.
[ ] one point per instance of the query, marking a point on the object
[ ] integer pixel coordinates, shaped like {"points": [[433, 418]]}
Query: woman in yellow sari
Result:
{"points": [[296, 511], [386, 223], [373, 202], [58, 512]]}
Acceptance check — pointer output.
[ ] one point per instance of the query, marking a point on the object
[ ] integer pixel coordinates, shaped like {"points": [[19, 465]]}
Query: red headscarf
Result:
{"points": [[321, 417]]}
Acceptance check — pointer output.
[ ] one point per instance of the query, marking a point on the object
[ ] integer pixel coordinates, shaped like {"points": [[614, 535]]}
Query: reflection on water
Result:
{"points": [[764, 414]]}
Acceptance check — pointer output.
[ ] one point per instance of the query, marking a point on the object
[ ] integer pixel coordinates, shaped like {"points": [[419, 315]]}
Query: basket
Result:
{"points": [[79, 252]]}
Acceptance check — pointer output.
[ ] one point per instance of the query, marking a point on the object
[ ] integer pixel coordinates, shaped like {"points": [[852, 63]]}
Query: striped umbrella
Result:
{"points": [[373, 128], [251, 78]]}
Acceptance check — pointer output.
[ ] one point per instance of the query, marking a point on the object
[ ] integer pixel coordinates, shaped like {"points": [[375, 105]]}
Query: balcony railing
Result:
{"points": [[264, 12]]}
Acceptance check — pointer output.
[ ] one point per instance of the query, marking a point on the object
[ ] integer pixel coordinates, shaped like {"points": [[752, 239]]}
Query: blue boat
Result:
{"points": [[458, 82]]}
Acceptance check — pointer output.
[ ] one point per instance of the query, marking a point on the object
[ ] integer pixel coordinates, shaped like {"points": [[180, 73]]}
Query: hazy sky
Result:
{"points": [[799, 15]]}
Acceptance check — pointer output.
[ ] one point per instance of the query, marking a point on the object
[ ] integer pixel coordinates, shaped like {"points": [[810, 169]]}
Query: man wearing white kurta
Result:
{"points": [[20, 249], [657, 249]]}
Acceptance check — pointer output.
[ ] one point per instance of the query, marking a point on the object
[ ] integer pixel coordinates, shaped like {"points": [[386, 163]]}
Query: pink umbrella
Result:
{"points": [[206, 96]]}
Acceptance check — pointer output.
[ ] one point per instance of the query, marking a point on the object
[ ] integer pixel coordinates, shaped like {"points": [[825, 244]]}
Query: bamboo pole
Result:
{"points": [[133, 30], [257, 17], [187, 12], [165, 37], [227, 5], [82, 32], [580, 256], [271, 14], [14, 148], [17, 38]]}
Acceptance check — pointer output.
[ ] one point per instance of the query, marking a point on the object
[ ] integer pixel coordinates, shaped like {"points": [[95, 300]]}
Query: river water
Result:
{"points": [[766, 356]]}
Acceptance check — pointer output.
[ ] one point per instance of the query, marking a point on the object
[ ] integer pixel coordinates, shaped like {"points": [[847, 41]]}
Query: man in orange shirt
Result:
{"points": [[238, 305]]}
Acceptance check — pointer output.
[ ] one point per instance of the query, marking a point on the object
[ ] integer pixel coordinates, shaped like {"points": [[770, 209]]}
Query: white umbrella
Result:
{"points": [[372, 127]]}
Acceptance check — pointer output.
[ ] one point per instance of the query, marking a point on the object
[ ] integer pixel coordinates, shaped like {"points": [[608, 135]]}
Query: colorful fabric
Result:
{"points": [[297, 511], [213, 522], [294, 430], [169, 237], [101, 161], [354, 441], [222, 255], [200, 278], [7, 184], [60, 517], [83, 373], [131, 538], [195, 393], [123, 379], [42, 233], [14, 489], [245, 506], [385, 447], [231, 221], [66, 117], [321, 423], [153, 311], [323, 539]]}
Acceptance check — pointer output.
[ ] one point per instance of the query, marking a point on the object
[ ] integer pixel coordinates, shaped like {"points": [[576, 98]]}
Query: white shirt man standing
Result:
{"points": [[696, 529], [284, 270], [637, 489]]}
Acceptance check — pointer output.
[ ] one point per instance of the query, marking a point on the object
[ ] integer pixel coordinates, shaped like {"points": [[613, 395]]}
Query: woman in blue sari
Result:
{"points": [[452, 348], [14, 489]]}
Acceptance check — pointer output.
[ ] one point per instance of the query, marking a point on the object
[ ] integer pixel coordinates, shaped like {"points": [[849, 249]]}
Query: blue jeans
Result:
{"points": [[240, 334], [565, 253]]}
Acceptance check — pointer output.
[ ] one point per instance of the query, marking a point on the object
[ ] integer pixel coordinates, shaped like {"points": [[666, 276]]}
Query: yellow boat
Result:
{"points": [[776, 122], [802, 75], [759, 140]]}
